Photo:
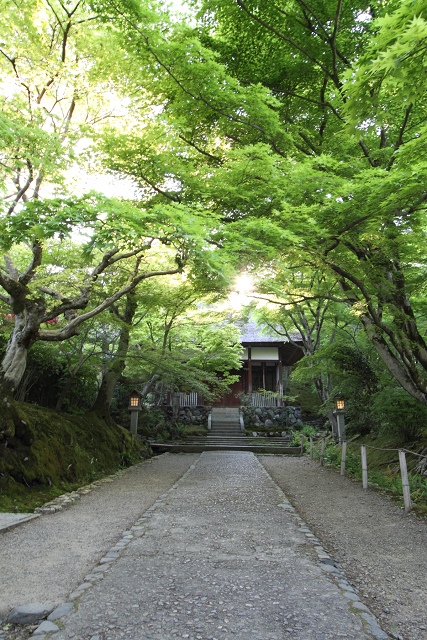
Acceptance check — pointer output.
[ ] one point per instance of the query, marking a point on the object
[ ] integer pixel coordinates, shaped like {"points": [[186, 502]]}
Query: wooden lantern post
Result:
{"points": [[340, 412], [134, 407]]}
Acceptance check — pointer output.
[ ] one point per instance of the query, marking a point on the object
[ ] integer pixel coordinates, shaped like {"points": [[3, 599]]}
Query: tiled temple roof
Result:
{"points": [[252, 332]]}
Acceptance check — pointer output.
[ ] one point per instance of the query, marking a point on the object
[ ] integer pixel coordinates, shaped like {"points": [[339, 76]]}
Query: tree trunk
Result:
{"points": [[323, 393], [23, 336], [24, 386], [407, 376], [334, 423], [64, 393], [116, 367], [105, 394], [148, 385]]}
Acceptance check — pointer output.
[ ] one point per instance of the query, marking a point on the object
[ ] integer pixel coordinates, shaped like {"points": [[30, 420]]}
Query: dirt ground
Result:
{"points": [[382, 551]]}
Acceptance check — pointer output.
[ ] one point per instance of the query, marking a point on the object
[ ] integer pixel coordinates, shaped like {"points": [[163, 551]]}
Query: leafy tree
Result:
{"points": [[29, 299], [184, 341], [62, 70], [77, 351], [60, 74], [301, 311], [261, 102]]}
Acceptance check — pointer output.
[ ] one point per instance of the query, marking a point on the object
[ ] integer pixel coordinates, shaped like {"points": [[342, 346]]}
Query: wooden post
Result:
{"points": [[250, 373], [302, 444], [405, 481], [322, 451], [134, 423], [280, 378], [343, 455], [364, 467], [311, 448]]}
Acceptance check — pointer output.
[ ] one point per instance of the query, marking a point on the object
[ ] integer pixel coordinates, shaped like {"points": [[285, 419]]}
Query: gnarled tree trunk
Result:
{"points": [[24, 335], [113, 373]]}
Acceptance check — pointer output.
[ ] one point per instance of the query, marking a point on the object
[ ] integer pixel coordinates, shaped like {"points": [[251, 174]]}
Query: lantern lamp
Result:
{"points": [[339, 412], [135, 401], [134, 407]]}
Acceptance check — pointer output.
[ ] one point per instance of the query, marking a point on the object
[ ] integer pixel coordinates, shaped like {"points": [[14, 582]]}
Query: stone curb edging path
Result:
{"points": [[371, 625], [11, 520], [139, 528], [69, 499]]}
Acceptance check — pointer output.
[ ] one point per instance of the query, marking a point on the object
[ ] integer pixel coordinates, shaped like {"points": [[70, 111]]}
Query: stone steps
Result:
{"points": [[227, 440], [198, 447], [226, 432], [226, 435], [226, 423]]}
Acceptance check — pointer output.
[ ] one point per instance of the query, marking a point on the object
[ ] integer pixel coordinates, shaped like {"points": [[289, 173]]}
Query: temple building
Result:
{"points": [[267, 360]]}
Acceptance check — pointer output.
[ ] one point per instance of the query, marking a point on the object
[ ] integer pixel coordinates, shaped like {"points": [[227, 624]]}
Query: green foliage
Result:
{"points": [[301, 187], [332, 457], [356, 376], [307, 431], [389, 71], [288, 143], [127, 459], [185, 341], [398, 413], [389, 479]]}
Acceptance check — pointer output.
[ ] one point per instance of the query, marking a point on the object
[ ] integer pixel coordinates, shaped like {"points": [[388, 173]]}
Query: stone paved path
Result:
{"points": [[220, 555], [46, 559]]}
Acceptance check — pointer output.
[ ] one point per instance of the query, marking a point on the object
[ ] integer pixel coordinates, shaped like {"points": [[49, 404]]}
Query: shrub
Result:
{"points": [[399, 413]]}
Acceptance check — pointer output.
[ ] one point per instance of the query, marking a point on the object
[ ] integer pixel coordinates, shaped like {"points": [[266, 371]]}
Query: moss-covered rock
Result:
{"points": [[41, 447]]}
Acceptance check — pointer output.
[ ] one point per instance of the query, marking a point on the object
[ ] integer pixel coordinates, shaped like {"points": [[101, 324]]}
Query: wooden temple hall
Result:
{"points": [[267, 360]]}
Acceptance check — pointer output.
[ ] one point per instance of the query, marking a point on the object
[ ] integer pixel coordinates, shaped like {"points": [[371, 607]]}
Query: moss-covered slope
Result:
{"points": [[42, 448]]}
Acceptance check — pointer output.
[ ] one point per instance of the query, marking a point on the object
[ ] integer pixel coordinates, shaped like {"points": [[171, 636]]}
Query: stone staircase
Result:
{"points": [[226, 423], [226, 434]]}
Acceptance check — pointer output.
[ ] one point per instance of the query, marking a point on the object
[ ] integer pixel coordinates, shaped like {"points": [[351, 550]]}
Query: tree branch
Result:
{"points": [[366, 152], [36, 261], [282, 36], [22, 190], [399, 140], [156, 188], [205, 153], [71, 329]]}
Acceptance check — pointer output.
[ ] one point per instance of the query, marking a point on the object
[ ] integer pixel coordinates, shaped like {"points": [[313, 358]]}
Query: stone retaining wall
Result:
{"points": [[197, 415], [272, 418]]}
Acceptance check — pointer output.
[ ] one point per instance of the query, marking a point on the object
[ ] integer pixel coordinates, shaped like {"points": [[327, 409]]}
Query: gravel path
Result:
{"points": [[213, 556], [383, 553], [222, 554], [45, 559]]}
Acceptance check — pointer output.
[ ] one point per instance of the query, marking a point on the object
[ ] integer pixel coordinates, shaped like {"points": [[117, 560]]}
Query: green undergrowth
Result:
{"points": [[193, 430], [44, 454], [383, 466], [179, 431]]}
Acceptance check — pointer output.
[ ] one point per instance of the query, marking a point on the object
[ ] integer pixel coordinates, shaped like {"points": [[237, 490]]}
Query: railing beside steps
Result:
{"points": [[259, 399], [188, 399], [264, 399]]}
